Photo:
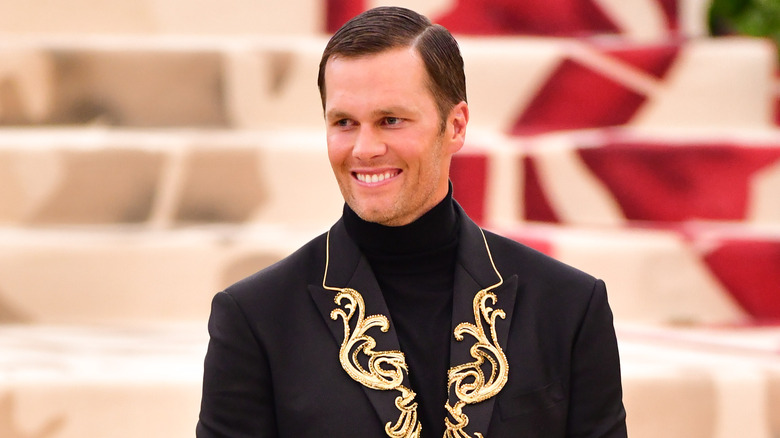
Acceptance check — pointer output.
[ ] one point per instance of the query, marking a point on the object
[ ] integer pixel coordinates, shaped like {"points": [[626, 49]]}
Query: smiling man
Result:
{"points": [[406, 319], [388, 145]]}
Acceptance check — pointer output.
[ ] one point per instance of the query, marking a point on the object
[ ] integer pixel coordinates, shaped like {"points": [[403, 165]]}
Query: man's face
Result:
{"points": [[385, 143]]}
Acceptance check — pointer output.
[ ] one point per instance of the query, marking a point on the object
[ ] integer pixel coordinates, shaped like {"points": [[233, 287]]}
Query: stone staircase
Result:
{"points": [[152, 154]]}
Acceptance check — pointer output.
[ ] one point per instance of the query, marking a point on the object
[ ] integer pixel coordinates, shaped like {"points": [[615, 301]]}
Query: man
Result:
{"points": [[406, 319]]}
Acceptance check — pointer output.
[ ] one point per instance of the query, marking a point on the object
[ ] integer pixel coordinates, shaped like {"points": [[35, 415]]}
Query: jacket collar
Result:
{"points": [[474, 271]]}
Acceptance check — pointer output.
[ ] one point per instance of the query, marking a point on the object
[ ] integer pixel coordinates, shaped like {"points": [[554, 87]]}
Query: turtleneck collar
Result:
{"points": [[414, 266], [434, 230]]}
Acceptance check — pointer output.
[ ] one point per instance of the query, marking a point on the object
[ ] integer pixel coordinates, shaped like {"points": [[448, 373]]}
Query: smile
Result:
{"points": [[375, 177]]}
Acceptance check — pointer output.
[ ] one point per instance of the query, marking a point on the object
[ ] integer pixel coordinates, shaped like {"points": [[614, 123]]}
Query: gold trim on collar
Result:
{"points": [[384, 370]]}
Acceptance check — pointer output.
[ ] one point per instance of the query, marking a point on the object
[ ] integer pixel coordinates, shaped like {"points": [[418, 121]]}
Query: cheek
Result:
{"points": [[337, 150], [431, 159]]}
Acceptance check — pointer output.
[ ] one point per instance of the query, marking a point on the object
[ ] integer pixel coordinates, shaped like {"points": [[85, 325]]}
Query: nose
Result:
{"points": [[368, 145]]}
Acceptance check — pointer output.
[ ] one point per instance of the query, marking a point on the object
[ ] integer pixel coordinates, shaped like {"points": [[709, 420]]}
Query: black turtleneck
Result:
{"points": [[414, 265]]}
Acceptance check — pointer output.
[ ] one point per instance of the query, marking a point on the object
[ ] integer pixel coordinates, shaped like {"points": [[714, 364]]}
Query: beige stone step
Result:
{"points": [[129, 381], [65, 176], [652, 275], [515, 83], [158, 178], [167, 81], [120, 274], [130, 275], [153, 17], [644, 20], [712, 382], [100, 381]]}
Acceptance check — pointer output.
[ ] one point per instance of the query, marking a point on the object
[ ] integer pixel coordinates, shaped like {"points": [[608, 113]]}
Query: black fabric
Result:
{"points": [[414, 266], [272, 369]]}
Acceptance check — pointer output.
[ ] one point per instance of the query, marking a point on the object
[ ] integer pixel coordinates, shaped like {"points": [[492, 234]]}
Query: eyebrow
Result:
{"points": [[383, 112], [388, 111], [336, 115]]}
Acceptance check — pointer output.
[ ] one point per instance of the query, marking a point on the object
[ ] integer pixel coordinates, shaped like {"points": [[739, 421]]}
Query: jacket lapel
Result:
{"points": [[475, 271], [348, 268]]}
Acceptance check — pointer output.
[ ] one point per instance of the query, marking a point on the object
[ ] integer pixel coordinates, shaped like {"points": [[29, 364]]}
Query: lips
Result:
{"points": [[372, 178]]}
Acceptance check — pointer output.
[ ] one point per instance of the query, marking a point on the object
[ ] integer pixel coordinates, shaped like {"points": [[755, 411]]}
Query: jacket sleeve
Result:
{"points": [[596, 396], [237, 396]]}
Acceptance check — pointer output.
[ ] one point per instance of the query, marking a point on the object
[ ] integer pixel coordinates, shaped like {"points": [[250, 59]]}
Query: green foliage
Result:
{"points": [[760, 18]]}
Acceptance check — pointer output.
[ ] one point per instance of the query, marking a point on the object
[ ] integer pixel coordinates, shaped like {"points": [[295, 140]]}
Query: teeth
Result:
{"points": [[375, 178]]}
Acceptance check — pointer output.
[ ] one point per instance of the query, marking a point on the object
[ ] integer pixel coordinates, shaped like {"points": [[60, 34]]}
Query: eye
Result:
{"points": [[392, 121], [344, 123]]}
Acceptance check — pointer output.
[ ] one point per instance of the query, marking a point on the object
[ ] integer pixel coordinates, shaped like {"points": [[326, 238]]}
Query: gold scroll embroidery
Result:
{"points": [[468, 380], [385, 370]]}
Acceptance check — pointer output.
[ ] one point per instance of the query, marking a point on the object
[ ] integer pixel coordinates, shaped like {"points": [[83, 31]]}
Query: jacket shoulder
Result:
{"points": [[513, 257]]}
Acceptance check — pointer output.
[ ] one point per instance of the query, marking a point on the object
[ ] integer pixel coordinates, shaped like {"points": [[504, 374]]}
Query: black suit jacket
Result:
{"points": [[272, 367]]}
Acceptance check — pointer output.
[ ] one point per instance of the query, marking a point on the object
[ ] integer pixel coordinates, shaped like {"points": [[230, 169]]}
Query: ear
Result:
{"points": [[456, 126]]}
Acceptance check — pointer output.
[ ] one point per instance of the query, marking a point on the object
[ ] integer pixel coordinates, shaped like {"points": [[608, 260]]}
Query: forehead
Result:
{"points": [[394, 73]]}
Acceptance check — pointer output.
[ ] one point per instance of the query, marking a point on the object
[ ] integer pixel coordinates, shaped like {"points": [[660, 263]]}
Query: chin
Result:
{"points": [[372, 214]]}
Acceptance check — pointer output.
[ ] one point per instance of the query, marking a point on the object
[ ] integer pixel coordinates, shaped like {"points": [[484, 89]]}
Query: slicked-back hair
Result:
{"points": [[390, 27]]}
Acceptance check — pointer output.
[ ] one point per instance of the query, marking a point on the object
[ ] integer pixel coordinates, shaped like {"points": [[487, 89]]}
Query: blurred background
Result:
{"points": [[153, 152]]}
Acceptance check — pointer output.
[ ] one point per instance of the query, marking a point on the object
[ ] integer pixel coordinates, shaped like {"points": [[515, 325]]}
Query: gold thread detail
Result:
{"points": [[468, 381], [384, 370]]}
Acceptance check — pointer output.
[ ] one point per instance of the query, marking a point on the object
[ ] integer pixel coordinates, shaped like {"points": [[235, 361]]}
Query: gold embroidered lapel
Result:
{"points": [[385, 370]]}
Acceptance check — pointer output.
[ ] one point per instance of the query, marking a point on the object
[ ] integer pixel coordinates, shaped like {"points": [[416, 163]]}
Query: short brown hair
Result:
{"points": [[389, 27]]}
